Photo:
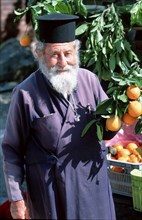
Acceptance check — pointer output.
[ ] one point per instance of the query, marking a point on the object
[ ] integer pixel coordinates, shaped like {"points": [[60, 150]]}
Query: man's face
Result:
{"points": [[61, 55], [60, 64]]}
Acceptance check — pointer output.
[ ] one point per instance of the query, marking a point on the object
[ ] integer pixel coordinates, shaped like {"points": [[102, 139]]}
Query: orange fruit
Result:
{"points": [[136, 153], [25, 40], [133, 92], [133, 159], [131, 147], [128, 119], [113, 123], [135, 108], [123, 158], [124, 152], [118, 147]]}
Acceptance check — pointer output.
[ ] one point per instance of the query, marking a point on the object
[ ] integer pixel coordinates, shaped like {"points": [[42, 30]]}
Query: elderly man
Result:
{"points": [[66, 174]]}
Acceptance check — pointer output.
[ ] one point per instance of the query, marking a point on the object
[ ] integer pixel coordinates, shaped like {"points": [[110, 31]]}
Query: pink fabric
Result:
{"points": [[125, 135]]}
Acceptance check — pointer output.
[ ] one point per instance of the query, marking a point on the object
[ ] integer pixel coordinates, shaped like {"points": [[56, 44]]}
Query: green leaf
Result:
{"points": [[122, 45], [137, 82], [140, 99], [37, 9], [115, 94], [99, 67], [18, 17], [116, 77], [31, 2], [69, 8], [98, 36], [91, 61], [94, 29], [136, 14], [135, 57], [99, 131], [138, 127], [127, 45], [109, 45], [104, 50], [139, 151], [123, 98], [49, 8], [102, 107], [21, 11], [95, 15], [81, 29], [108, 26], [122, 82], [110, 90], [62, 8], [123, 67], [110, 84], [125, 60], [111, 108], [112, 62], [82, 10], [87, 127], [118, 46], [92, 40]]}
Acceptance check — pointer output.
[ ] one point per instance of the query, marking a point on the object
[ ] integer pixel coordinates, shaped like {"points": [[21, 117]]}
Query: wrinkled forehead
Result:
{"points": [[60, 46]]}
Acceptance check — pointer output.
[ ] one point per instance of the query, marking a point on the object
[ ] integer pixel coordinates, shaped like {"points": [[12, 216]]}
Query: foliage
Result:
{"points": [[134, 11], [115, 61], [136, 14], [36, 8], [107, 50]]}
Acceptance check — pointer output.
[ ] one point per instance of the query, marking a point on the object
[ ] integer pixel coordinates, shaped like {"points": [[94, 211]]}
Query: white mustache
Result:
{"points": [[57, 68]]}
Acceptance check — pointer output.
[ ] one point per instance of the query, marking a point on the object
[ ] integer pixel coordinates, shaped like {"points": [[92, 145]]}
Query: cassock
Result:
{"points": [[66, 174]]}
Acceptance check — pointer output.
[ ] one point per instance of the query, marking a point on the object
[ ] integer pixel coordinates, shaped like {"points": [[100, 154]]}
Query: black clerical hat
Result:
{"points": [[57, 28]]}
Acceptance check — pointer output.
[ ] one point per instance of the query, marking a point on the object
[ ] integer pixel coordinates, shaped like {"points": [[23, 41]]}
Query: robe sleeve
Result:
{"points": [[15, 136]]}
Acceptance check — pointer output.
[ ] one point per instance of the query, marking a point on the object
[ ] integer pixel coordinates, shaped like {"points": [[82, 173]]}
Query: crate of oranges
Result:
{"points": [[122, 159]]}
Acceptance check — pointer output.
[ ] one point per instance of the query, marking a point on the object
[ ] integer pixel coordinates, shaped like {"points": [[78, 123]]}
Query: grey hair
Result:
{"points": [[40, 47]]}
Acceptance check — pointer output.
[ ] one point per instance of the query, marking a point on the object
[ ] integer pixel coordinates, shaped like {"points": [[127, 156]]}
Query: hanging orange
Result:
{"points": [[25, 40], [135, 108], [128, 119], [133, 92], [113, 123]]}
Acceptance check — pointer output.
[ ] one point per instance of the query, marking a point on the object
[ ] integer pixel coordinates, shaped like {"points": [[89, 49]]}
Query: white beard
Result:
{"points": [[63, 83]]}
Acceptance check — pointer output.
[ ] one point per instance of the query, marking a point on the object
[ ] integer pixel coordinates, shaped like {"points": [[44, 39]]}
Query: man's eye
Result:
{"points": [[54, 55], [68, 53]]}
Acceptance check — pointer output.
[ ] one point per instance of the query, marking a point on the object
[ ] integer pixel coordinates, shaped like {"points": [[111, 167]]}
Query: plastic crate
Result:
{"points": [[136, 178], [121, 182]]}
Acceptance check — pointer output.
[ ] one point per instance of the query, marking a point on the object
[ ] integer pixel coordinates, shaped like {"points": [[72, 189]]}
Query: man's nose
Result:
{"points": [[62, 60]]}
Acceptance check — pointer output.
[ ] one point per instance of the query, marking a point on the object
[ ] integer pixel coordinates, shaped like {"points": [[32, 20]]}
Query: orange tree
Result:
{"points": [[118, 102]]}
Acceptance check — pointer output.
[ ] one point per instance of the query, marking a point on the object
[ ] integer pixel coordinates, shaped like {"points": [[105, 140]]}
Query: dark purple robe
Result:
{"points": [[66, 174]]}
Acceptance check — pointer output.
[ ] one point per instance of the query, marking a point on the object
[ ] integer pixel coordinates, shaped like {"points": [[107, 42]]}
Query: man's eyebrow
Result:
{"points": [[57, 51]]}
